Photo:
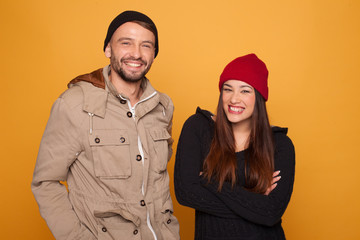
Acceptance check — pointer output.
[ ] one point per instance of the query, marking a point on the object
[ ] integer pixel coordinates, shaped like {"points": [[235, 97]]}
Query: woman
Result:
{"points": [[227, 166]]}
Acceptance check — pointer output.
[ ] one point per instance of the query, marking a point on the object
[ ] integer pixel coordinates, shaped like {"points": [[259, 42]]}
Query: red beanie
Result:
{"points": [[249, 69]]}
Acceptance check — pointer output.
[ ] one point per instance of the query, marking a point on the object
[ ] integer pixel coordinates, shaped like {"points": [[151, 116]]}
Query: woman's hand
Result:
{"points": [[276, 178]]}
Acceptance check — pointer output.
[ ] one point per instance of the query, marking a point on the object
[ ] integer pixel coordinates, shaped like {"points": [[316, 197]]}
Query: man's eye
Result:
{"points": [[227, 89], [125, 43]]}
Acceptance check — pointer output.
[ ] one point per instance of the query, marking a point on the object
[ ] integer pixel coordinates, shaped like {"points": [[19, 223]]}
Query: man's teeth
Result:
{"points": [[133, 64], [235, 109]]}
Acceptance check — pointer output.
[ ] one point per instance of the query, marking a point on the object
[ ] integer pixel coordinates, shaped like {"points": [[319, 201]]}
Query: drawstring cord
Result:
{"points": [[91, 122]]}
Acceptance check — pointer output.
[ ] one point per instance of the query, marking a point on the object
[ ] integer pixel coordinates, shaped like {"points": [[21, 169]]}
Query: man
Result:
{"points": [[109, 138]]}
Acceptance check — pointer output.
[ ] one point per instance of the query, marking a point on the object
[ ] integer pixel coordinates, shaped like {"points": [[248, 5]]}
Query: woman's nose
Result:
{"points": [[235, 98]]}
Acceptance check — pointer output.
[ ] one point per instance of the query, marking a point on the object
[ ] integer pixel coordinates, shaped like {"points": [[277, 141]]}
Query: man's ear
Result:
{"points": [[108, 51]]}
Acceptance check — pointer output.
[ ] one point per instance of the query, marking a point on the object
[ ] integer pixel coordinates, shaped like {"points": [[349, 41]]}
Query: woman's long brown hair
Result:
{"points": [[221, 162]]}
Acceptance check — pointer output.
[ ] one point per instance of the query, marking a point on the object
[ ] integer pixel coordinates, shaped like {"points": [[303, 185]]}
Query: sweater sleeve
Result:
{"points": [[58, 149], [258, 208], [188, 165]]}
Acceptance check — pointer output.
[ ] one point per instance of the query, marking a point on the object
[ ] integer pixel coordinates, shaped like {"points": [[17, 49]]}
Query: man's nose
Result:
{"points": [[135, 51]]}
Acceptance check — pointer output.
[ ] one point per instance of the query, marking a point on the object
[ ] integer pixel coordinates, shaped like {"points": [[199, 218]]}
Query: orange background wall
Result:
{"points": [[312, 49]]}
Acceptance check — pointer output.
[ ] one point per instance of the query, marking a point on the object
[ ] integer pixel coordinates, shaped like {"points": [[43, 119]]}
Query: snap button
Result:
{"points": [[97, 140], [122, 101], [129, 114], [135, 232], [168, 221], [122, 139], [142, 203], [104, 229], [138, 157]]}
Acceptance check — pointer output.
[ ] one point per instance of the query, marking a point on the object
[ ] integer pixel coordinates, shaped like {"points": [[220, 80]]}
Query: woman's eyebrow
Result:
{"points": [[243, 86]]}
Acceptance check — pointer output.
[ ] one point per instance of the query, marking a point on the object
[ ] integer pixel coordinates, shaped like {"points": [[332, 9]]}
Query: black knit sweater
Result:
{"points": [[233, 213]]}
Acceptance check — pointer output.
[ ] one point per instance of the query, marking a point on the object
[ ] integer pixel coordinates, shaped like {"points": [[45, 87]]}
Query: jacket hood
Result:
{"points": [[96, 78], [207, 114]]}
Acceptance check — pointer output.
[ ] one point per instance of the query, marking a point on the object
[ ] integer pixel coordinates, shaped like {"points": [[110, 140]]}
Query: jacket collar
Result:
{"points": [[145, 85], [95, 99]]}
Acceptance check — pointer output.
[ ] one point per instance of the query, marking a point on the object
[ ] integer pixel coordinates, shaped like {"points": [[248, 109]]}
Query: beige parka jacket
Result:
{"points": [[113, 158]]}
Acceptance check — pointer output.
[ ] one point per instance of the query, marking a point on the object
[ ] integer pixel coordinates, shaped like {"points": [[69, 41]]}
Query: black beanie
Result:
{"points": [[129, 16]]}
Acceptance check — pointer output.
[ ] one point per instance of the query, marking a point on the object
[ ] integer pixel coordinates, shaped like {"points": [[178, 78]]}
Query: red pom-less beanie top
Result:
{"points": [[249, 69]]}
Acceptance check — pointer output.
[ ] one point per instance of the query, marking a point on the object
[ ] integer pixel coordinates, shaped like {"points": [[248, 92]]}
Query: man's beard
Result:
{"points": [[115, 63]]}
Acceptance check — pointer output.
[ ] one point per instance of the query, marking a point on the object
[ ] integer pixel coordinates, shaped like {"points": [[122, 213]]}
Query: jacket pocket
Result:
{"points": [[111, 153], [117, 224], [161, 138]]}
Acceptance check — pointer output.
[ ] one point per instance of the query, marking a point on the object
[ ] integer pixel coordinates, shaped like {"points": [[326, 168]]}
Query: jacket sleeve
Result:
{"points": [[188, 165], [171, 140], [59, 146], [258, 208]]}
